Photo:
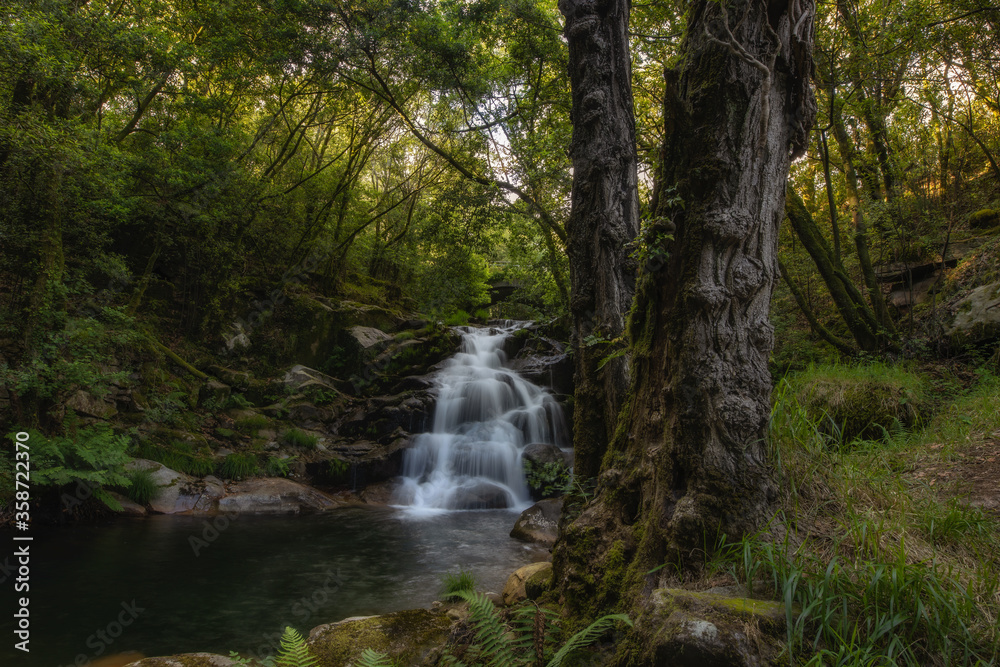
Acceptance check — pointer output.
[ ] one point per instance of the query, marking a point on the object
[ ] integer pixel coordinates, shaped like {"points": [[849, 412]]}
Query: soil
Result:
{"points": [[972, 474]]}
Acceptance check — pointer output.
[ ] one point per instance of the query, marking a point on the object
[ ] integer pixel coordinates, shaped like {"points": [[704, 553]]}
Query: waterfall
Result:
{"points": [[485, 415]]}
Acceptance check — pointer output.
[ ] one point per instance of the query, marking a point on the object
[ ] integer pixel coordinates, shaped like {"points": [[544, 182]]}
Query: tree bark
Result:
{"points": [[688, 463], [604, 218]]}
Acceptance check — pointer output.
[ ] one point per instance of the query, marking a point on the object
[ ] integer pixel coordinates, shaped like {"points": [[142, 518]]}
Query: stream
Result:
{"points": [[171, 584]]}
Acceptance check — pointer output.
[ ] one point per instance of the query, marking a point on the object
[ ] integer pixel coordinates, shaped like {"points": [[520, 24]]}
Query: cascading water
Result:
{"points": [[486, 414]]}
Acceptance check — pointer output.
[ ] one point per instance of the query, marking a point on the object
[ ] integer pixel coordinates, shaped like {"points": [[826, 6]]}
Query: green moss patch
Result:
{"points": [[406, 636]]}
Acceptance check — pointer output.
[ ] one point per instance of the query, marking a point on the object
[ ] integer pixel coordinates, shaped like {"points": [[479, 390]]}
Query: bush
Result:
{"points": [[457, 319], [239, 466], [141, 487], [296, 438]]}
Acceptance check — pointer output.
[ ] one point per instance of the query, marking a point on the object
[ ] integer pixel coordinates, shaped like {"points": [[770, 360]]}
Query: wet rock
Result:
{"points": [[410, 637], [380, 493], [213, 393], [514, 590], [701, 629], [86, 404], [554, 372], [480, 496], [129, 508], [541, 453], [275, 495], [539, 523], [186, 660], [213, 490]]}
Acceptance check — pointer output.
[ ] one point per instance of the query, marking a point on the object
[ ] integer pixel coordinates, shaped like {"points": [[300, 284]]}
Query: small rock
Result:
{"points": [[513, 590], [541, 453], [129, 508], [539, 523]]}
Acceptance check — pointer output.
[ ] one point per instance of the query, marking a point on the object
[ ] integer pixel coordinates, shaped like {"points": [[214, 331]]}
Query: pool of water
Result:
{"points": [[169, 584]]}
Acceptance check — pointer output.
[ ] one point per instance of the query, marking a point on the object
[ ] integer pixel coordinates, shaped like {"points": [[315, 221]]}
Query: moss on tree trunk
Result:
{"points": [[687, 463]]}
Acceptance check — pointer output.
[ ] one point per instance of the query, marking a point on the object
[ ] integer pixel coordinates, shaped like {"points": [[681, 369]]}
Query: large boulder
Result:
{"points": [[213, 394], [514, 590], [410, 637], [539, 523], [703, 629], [275, 495], [978, 315]]}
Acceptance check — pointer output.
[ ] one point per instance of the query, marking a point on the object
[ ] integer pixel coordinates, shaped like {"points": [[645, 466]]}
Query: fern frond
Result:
{"points": [[588, 636], [370, 658], [492, 634], [294, 652]]}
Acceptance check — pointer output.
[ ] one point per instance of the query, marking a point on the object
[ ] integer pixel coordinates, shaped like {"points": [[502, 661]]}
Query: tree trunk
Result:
{"points": [[604, 218], [688, 463]]}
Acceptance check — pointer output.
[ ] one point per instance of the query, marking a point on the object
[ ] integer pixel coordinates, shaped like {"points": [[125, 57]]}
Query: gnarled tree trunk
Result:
{"points": [[604, 218], [688, 462]]}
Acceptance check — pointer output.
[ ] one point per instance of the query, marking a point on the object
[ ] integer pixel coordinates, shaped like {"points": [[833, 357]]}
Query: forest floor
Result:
{"points": [[972, 475]]}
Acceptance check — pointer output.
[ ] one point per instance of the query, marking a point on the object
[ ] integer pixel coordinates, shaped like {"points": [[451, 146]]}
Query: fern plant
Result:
{"points": [[529, 640], [370, 658], [294, 652]]}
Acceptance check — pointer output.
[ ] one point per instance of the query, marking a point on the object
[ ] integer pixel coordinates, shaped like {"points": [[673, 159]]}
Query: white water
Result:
{"points": [[485, 415]]}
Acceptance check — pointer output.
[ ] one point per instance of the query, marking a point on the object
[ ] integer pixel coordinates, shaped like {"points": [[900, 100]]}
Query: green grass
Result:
{"points": [[457, 319], [453, 582], [239, 466], [179, 456], [296, 438], [141, 487], [252, 423], [875, 566]]}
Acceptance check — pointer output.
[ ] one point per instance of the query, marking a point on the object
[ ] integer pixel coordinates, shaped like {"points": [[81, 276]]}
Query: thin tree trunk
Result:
{"points": [[604, 218], [687, 464]]}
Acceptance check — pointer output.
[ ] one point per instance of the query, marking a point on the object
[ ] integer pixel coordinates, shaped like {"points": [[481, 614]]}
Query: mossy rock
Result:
{"points": [[408, 637], [985, 219], [538, 583], [867, 403], [702, 629], [186, 660]]}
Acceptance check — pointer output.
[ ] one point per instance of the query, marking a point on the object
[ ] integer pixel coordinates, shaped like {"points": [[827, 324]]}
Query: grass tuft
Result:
{"points": [[239, 466], [141, 487], [296, 438], [453, 582]]}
